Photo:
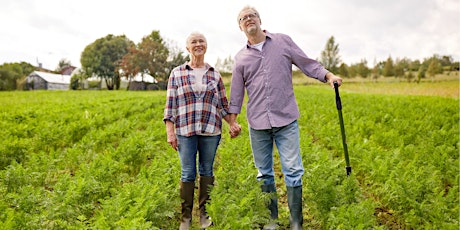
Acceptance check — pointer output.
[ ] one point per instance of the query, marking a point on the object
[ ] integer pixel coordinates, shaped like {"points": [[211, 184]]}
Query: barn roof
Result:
{"points": [[53, 78]]}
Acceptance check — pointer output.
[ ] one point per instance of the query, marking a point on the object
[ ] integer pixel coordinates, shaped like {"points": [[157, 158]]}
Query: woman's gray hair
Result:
{"points": [[195, 33]]}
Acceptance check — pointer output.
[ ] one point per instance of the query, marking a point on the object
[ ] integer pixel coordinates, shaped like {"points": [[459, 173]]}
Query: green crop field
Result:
{"points": [[100, 160]]}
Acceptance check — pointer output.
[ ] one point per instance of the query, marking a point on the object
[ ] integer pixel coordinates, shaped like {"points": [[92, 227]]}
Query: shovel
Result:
{"points": [[338, 102]]}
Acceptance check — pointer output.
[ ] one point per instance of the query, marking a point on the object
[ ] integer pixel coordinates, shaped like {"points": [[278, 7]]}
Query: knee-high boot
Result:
{"points": [[295, 207], [206, 183], [272, 206], [187, 190]]}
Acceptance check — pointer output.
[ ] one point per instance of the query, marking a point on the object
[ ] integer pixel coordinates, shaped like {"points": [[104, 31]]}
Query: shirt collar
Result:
{"points": [[268, 36], [207, 66]]}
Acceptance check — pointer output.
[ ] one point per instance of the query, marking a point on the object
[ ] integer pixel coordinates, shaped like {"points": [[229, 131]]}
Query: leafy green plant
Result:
{"points": [[99, 159]]}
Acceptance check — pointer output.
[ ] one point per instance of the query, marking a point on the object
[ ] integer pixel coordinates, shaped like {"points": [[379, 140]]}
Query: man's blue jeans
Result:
{"points": [[188, 147], [287, 141]]}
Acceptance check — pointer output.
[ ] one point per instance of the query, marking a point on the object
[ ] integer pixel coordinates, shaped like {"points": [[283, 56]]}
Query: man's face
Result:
{"points": [[249, 21]]}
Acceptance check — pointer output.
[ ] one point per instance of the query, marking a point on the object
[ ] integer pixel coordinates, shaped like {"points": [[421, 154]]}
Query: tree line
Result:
{"points": [[112, 58], [411, 70]]}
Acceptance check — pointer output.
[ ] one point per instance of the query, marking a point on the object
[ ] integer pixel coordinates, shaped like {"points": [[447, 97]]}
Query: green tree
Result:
{"points": [[388, 68], [421, 73], [401, 66], [362, 68], [150, 56], [353, 70], [12, 75], [330, 57], [102, 57], [433, 68], [343, 70], [446, 62], [128, 66], [153, 56], [415, 65]]}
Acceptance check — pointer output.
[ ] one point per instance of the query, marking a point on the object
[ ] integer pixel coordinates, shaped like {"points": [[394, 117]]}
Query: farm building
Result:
{"points": [[38, 80], [141, 82]]}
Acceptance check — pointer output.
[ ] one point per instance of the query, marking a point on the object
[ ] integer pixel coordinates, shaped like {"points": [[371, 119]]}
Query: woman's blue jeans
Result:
{"points": [[188, 147], [287, 140]]}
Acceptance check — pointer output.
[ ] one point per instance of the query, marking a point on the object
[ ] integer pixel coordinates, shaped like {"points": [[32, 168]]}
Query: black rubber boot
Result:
{"points": [[295, 207], [187, 190]]}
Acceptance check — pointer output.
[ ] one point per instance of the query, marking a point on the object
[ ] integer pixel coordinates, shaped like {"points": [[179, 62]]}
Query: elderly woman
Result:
{"points": [[196, 102]]}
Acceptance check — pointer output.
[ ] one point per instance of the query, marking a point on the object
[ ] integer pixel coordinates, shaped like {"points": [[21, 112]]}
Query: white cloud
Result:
{"points": [[49, 30]]}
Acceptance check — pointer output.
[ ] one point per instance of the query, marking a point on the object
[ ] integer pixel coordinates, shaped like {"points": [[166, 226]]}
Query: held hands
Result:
{"points": [[235, 129]]}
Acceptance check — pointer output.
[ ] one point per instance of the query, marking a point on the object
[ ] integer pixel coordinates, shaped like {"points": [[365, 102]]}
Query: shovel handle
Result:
{"points": [[338, 101]]}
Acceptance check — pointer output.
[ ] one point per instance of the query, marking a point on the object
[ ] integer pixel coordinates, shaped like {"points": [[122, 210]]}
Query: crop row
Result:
{"points": [[99, 160]]}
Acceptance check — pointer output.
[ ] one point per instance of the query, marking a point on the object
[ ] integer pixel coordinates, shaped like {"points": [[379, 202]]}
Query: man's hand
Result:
{"points": [[331, 78]]}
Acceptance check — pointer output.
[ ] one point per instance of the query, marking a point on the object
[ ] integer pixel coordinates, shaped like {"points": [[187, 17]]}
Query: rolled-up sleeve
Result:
{"points": [[236, 91], [223, 98], [170, 111]]}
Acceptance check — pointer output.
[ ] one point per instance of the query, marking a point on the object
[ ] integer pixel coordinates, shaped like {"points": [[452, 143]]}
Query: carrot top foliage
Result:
{"points": [[100, 160]]}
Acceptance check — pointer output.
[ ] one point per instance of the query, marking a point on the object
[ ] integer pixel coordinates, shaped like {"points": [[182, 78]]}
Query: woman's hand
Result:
{"points": [[171, 135]]}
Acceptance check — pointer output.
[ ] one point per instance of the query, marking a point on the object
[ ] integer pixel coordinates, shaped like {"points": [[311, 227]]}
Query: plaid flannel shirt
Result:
{"points": [[195, 113]]}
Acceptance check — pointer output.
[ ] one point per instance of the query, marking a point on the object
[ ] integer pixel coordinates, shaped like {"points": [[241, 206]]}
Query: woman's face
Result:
{"points": [[197, 45]]}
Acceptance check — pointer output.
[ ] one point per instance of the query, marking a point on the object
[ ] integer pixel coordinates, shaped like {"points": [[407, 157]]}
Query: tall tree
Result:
{"points": [[153, 56], [150, 56], [433, 68], [388, 68], [102, 57], [330, 57]]}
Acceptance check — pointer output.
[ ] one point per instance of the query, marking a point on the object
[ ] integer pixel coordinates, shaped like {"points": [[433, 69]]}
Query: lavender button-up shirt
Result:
{"points": [[267, 77]]}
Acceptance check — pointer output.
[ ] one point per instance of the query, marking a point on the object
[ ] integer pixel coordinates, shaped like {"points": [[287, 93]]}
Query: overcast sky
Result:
{"points": [[47, 31]]}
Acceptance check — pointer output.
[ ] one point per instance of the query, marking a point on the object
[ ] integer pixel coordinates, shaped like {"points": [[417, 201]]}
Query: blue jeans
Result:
{"points": [[188, 147], [287, 141]]}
